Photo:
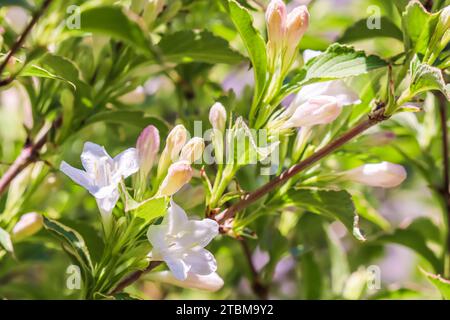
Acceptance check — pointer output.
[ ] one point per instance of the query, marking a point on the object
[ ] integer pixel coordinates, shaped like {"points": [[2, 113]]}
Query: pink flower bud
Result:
{"points": [[175, 141], [276, 22], [297, 24], [211, 282], [384, 174], [147, 147], [218, 116], [178, 175], [319, 110], [193, 150], [29, 224]]}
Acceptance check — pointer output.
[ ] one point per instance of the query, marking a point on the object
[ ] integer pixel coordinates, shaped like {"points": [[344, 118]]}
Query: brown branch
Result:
{"points": [[374, 118], [18, 44], [258, 287], [28, 155], [443, 105], [135, 276]]}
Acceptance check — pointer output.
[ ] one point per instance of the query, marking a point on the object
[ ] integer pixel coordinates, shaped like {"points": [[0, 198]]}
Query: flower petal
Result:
{"points": [[156, 235], [78, 176], [200, 233], [201, 261], [127, 162], [178, 267], [107, 204], [91, 156], [176, 218]]}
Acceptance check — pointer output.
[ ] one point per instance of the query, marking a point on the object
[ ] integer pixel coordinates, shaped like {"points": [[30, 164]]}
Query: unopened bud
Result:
{"points": [[296, 26], [319, 110], [178, 175], [147, 146], [276, 22], [28, 224], [218, 116], [137, 96], [383, 174], [193, 150]]}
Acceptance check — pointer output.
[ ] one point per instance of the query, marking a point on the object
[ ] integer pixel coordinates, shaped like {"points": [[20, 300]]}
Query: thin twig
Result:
{"points": [[258, 288], [374, 118], [135, 276], [443, 104], [28, 155], [18, 44]]}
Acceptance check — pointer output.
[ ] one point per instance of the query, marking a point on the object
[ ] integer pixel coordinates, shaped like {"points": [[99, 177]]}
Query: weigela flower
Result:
{"points": [[211, 282], [180, 242], [28, 224], [178, 175], [103, 174]]}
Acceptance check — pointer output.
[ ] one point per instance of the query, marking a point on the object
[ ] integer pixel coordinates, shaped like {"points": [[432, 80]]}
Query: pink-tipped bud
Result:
{"points": [[211, 282], [218, 116], [296, 25], [319, 110], [383, 174], [276, 22], [193, 150], [29, 224], [147, 146], [175, 141], [178, 175]]}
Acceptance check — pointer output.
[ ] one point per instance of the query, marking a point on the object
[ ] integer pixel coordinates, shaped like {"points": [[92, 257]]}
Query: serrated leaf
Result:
{"points": [[359, 31], [337, 62], [443, 285], [5, 241], [426, 78], [72, 241], [116, 22], [151, 209], [254, 43], [187, 46], [336, 205]]}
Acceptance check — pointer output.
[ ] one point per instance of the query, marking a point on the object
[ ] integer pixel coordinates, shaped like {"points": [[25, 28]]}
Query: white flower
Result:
{"points": [[211, 282], [318, 110], [180, 243], [383, 174], [103, 173]]}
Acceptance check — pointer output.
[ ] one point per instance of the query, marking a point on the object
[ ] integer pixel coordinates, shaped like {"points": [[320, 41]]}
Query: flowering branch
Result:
{"points": [[18, 44], [374, 118], [29, 154]]}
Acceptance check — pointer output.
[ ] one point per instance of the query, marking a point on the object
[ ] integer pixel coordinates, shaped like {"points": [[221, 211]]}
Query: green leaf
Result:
{"points": [[254, 43], [369, 213], [151, 209], [133, 118], [336, 205], [16, 3], [72, 241], [337, 62], [187, 46], [32, 70], [413, 240], [426, 78], [443, 285], [116, 22], [340, 269], [5, 240], [359, 31]]}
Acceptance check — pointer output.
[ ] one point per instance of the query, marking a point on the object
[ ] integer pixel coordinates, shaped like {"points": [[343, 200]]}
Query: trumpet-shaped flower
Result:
{"points": [[318, 110], [383, 174], [193, 150], [180, 242], [103, 174]]}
